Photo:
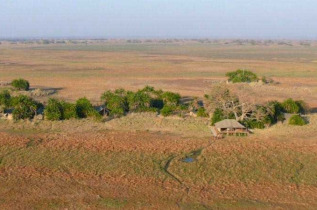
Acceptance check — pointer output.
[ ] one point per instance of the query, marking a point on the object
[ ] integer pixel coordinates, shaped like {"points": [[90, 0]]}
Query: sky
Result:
{"points": [[246, 19]]}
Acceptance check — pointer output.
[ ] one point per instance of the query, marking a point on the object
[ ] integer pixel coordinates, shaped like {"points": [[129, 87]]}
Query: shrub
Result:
{"points": [[24, 107], [254, 124], [171, 99], [303, 106], [139, 101], [217, 116], [116, 102], [290, 106], [20, 84], [201, 112], [69, 110], [276, 111], [242, 76], [53, 110], [297, 120], [5, 99], [167, 110], [85, 109]]}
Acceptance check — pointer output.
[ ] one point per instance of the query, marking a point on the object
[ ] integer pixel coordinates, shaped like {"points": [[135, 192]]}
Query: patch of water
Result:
{"points": [[188, 160]]}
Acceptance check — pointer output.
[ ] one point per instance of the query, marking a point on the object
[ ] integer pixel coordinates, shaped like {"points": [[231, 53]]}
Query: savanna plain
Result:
{"points": [[136, 161]]}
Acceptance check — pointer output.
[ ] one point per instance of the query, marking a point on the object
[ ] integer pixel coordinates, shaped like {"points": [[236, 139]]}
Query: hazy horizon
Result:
{"points": [[141, 19]]}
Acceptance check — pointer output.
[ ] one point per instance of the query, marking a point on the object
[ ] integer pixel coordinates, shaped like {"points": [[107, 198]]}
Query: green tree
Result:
{"points": [[116, 102], [242, 76], [53, 110], [170, 98], [69, 110], [290, 106], [217, 116], [24, 107], [139, 101], [85, 109], [20, 84], [5, 100]]}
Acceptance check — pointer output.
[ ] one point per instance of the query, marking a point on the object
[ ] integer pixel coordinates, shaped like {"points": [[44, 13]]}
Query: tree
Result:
{"points": [[20, 84], [5, 100], [242, 76], [24, 107], [290, 106], [139, 101], [53, 110], [220, 97], [170, 98], [85, 109], [217, 116], [69, 110], [116, 102]]}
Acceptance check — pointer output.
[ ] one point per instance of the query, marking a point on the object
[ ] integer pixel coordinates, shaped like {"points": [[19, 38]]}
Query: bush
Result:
{"points": [[139, 101], [85, 109], [290, 106], [69, 110], [167, 110], [242, 76], [201, 112], [297, 120], [5, 99], [303, 106], [116, 102], [254, 124], [276, 111], [171, 99], [20, 84], [53, 110], [24, 107], [217, 116]]}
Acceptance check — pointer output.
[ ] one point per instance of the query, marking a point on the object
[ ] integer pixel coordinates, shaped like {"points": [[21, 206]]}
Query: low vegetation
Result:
{"points": [[221, 103], [297, 120], [242, 76], [20, 84]]}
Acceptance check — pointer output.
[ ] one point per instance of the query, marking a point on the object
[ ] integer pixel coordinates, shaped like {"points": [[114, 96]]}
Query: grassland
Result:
{"points": [[136, 162], [188, 68]]}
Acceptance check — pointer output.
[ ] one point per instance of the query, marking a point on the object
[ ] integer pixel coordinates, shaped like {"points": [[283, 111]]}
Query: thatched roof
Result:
{"points": [[228, 124]]}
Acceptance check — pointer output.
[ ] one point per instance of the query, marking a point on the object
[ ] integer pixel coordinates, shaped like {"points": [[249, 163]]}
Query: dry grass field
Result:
{"points": [[137, 161]]}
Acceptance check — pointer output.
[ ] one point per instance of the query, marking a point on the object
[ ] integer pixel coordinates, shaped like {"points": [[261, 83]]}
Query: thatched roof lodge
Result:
{"points": [[231, 127]]}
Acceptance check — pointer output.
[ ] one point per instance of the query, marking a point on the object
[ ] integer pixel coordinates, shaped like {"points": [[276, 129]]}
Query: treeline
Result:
{"points": [[219, 104]]}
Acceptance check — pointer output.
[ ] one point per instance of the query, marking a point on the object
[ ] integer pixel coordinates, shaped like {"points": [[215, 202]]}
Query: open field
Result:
{"points": [[82, 164], [188, 68], [137, 161]]}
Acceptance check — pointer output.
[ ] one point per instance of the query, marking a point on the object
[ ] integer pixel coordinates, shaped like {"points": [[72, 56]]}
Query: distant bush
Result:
{"points": [[276, 110], [20, 84], [290, 106], [53, 110], [116, 102], [24, 107], [85, 109], [201, 112], [167, 110], [297, 120], [242, 76]]}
